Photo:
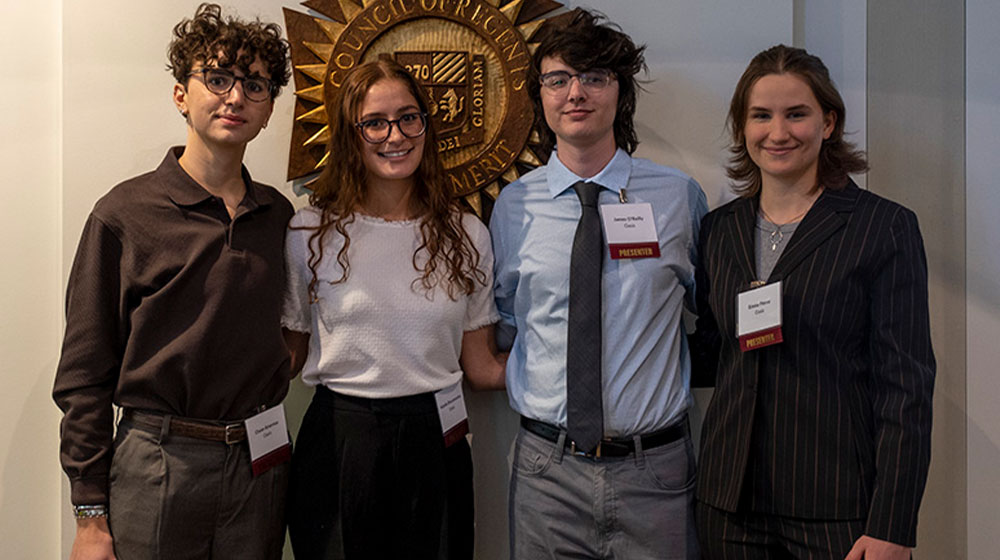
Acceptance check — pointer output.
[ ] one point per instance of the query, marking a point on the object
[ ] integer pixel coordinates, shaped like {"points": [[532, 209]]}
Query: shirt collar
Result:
{"points": [[185, 191], [613, 177]]}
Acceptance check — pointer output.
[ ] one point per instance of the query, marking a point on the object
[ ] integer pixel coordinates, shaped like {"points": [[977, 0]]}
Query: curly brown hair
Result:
{"points": [[208, 38], [837, 157], [587, 41], [340, 190]]}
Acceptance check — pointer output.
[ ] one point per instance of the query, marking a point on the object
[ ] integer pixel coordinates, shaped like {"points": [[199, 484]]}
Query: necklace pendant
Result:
{"points": [[776, 238]]}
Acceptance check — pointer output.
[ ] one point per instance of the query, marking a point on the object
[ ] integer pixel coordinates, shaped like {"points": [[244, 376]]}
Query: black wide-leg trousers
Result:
{"points": [[371, 479]]}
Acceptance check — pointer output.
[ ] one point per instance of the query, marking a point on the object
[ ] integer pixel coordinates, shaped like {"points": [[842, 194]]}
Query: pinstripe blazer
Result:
{"points": [[834, 422]]}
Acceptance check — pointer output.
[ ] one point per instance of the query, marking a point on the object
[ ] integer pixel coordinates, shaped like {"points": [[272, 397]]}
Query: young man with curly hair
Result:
{"points": [[172, 314], [598, 369]]}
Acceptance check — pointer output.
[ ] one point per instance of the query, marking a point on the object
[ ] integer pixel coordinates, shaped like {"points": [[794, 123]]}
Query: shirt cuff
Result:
{"points": [[87, 491]]}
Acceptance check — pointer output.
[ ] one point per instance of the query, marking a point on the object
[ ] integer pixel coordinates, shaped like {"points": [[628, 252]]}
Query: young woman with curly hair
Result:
{"points": [[389, 300]]}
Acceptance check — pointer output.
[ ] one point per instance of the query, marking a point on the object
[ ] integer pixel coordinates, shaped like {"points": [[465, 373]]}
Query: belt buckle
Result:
{"points": [[595, 455], [230, 437]]}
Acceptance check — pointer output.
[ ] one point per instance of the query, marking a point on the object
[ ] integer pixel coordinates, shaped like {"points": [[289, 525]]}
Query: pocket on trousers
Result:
{"points": [[137, 483], [137, 459], [533, 454], [671, 467]]}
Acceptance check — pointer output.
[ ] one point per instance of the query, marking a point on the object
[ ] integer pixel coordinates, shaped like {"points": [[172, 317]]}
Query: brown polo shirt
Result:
{"points": [[171, 307]]}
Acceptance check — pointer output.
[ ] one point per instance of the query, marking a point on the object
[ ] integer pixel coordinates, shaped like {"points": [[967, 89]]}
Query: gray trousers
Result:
{"points": [[180, 498], [636, 508]]}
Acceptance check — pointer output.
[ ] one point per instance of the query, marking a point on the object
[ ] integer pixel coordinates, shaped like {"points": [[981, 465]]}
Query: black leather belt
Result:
{"points": [[609, 447]]}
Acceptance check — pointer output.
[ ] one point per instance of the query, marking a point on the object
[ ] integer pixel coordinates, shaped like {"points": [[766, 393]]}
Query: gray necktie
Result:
{"points": [[584, 413]]}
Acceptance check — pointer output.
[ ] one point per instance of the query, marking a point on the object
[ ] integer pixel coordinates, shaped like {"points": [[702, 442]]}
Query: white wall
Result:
{"points": [[29, 278], [916, 148], [836, 31], [696, 51], [982, 122]]}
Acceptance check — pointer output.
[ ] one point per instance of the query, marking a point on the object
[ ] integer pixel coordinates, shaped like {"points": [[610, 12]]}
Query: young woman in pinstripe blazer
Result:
{"points": [[817, 446]]}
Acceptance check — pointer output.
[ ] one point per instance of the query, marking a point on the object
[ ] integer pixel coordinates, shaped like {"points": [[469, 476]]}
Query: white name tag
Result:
{"points": [[630, 230], [451, 411], [758, 317], [267, 434]]}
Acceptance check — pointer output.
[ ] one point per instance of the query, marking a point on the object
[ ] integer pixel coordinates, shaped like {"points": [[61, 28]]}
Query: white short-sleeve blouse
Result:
{"points": [[380, 334]]}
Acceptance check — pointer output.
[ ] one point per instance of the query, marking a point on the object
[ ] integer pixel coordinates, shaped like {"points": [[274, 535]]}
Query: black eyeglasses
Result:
{"points": [[376, 131], [591, 80], [220, 81]]}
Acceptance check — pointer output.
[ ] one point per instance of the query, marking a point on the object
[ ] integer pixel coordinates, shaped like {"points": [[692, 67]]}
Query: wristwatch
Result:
{"points": [[88, 511]]}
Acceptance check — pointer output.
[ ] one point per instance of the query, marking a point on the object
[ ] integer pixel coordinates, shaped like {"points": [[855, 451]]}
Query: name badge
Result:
{"points": [[267, 434], [758, 316], [451, 411], [630, 230]]}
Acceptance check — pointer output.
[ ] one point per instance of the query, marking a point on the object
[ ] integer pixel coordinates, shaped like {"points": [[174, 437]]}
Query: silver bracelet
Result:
{"points": [[89, 511]]}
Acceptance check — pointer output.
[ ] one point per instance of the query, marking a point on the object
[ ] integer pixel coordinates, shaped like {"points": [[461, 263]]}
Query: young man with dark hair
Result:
{"points": [[173, 314], [598, 370]]}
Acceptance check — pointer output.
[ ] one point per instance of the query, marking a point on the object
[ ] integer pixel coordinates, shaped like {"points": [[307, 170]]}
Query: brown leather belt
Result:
{"points": [[185, 427]]}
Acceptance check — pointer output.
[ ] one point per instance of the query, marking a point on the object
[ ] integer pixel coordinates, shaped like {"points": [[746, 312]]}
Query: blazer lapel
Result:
{"points": [[823, 220], [739, 236]]}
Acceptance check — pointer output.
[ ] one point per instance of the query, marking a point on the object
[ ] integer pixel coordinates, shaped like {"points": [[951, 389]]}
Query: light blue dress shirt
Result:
{"points": [[645, 365]]}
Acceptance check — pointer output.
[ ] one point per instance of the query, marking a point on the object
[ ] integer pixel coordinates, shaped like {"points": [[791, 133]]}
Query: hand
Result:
{"points": [[870, 548], [93, 540]]}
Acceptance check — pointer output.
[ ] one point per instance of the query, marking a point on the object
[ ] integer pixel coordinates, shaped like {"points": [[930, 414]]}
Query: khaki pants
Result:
{"points": [[180, 498]]}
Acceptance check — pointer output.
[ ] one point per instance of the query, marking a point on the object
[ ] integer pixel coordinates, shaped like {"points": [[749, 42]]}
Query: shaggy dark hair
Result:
{"points": [[589, 41], [449, 257], [837, 157], [208, 38]]}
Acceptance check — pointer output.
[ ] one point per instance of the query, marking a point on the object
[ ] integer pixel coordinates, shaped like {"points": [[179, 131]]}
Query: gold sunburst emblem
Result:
{"points": [[472, 57]]}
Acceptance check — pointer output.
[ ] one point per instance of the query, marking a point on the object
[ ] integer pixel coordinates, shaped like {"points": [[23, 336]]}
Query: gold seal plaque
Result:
{"points": [[471, 56]]}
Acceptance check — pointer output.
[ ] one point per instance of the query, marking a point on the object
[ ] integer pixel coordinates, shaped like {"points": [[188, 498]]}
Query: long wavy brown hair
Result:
{"points": [[451, 257], [837, 156]]}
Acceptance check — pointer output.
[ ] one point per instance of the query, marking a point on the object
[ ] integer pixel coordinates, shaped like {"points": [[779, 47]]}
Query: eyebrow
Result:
{"points": [[231, 68], [799, 107], [401, 111]]}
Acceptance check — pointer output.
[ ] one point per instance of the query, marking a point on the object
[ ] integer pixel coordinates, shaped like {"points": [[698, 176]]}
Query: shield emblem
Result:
{"points": [[447, 77]]}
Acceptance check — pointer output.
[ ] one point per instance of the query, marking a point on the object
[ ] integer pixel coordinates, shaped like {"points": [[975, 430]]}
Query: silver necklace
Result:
{"points": [[777, 236]]}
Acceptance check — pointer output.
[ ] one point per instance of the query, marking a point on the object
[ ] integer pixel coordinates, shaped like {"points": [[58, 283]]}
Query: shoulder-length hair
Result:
{"points": [[837, 157], [450, 257]]}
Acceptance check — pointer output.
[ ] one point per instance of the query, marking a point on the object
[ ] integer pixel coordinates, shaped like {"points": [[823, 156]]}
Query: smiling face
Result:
{"points": [[579, 117], [227, 121], [785, 129], [398, 157]]}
